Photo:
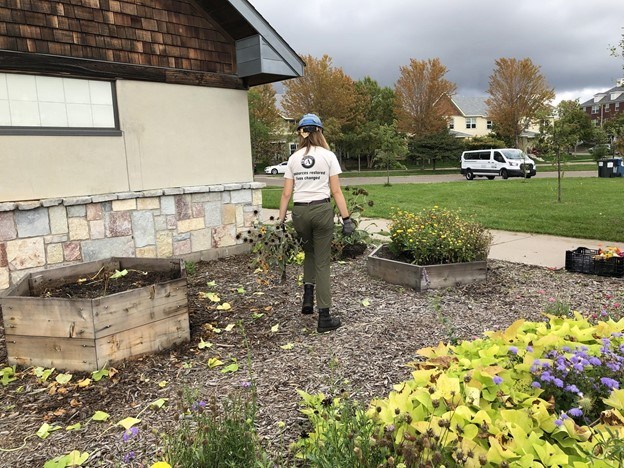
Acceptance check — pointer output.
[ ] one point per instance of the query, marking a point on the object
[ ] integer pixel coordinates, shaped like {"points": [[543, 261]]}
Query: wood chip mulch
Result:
{"points": [[384, 326]]}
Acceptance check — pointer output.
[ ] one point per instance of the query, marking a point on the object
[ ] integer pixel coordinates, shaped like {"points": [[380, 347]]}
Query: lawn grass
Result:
{"points": [[591, 208], [542, 167]]}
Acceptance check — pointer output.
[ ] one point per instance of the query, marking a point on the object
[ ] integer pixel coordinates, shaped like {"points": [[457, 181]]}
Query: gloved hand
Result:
{"points": [[347, 226]]}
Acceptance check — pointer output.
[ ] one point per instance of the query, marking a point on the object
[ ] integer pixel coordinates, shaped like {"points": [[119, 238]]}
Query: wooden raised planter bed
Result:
{"points": [[426, 277], [88, 334]]}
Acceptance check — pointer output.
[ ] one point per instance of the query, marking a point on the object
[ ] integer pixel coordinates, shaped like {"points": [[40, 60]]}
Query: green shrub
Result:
{"points": [[437, 235], [343, 435], [216, 434]]}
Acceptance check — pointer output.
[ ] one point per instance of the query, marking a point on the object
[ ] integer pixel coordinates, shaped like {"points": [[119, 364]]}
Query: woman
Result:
{"points": [[310, 178]]}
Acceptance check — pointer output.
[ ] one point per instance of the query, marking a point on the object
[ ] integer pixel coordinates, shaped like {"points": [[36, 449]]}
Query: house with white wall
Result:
{"points": [[468, 118], [124, 128]]}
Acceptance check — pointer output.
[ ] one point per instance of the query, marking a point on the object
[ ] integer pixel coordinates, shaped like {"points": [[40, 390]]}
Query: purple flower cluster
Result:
{"points": [[130, 433], [571, 374], [198, 406]]}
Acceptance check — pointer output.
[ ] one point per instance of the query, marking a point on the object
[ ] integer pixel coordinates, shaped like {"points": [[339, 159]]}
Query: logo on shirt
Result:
{"points": [[308, 161]]}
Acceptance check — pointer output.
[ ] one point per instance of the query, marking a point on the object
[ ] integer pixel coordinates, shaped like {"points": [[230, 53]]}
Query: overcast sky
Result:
{"points": [[568, 39]]}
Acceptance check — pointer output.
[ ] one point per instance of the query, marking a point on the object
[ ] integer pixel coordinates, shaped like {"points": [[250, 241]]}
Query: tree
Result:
{"points": [[562, 133], [264, 123], [374, 107], [615, 129], [518, 93], [391, 151], [440, 146], [418, 92], [324, 90]]}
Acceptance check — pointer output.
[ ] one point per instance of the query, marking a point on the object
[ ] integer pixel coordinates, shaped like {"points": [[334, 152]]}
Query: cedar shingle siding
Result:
{"points": [[167, 33]]}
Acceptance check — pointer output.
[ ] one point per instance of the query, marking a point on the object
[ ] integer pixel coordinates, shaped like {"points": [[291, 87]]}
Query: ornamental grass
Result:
{"points": [[437, 235]]}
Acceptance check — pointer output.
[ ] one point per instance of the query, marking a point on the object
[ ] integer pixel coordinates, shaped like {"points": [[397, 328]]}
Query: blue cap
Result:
{"points": [[310, 120]]}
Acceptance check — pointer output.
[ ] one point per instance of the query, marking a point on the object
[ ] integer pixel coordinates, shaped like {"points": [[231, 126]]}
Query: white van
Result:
{"points": [[505, 162]]}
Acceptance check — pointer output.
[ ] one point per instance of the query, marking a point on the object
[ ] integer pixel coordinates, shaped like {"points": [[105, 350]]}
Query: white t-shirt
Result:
{"points": [[311, 173]]}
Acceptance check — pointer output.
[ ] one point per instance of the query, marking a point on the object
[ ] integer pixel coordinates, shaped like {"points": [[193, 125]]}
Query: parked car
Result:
{"points": [[276, 169], [504, 162]]}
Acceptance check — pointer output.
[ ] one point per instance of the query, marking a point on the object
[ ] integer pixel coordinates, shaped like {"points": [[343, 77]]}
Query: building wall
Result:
{"points": [[196, 223], [172, 136], [480, 130]]}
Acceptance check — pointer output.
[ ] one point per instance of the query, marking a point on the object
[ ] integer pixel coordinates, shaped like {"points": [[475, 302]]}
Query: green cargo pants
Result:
{"points": [[315, 226]]}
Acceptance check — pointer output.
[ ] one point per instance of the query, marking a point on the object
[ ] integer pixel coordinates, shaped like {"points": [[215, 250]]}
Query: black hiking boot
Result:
{"points": [[326, 322], [308, 299]]}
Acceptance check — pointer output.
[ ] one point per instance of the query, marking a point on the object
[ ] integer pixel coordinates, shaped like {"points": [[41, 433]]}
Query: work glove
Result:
{"points": [[347, 226]]}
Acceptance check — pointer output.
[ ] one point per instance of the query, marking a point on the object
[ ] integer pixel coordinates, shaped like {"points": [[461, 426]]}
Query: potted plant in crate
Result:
{"points": [[432, 249]]}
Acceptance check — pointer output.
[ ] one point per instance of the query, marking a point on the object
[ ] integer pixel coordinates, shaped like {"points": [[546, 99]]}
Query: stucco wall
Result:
{"points": [[173, 136], [178, 135]]}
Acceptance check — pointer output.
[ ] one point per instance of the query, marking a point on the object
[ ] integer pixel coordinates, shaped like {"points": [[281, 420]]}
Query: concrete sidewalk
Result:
{"points": [[519, 247]]}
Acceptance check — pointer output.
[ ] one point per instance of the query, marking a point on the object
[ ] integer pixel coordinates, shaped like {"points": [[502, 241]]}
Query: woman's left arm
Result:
{"points": [[336, 191], [286, 194]]}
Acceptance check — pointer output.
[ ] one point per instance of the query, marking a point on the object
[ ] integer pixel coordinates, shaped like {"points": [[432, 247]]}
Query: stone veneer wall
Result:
{"points": [[196, 223]]}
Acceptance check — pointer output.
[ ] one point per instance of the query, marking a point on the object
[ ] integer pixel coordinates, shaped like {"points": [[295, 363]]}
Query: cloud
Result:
{"points": [[568, 39]]}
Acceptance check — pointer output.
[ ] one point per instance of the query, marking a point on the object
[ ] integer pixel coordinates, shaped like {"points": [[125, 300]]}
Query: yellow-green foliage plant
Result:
{"points": [[510, 399], [480, 402]]}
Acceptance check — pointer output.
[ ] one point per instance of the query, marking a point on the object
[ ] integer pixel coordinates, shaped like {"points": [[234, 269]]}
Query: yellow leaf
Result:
{"points": [[366, 302], [210, 295], [63, 378], [162, 383], [84, 383], [158, 403], [274, 328], [100, 416], [214, 362], [127, 423], [161, 464], [204, 344], [224, 306], [74, 427], [230, 327], [287, 346], [75, 458]]}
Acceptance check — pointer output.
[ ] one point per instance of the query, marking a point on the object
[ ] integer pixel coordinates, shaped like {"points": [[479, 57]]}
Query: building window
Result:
{"points": [[471, 122], [293, 147], [451, 124], [607, 107], [617, 106], [54, 105], [489, 125], [595, 109]]}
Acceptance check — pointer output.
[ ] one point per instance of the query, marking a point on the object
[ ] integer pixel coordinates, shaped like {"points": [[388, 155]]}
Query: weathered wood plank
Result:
{"points": [[70, 273], [21, 288], [152, 264], [48, 317], [148, 338], [444, 276], [130, 309], [61, 353], [425, 277]]}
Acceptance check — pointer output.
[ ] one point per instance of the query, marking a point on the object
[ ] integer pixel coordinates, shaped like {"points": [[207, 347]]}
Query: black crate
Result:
{"points": [[582, 260]]}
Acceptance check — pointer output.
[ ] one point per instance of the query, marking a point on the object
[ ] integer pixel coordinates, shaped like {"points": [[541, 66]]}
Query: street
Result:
{"points": [[278, 180]]}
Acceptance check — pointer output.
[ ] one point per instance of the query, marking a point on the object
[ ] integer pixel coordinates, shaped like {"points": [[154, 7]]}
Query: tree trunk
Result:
{"points": [[558, 175]]}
